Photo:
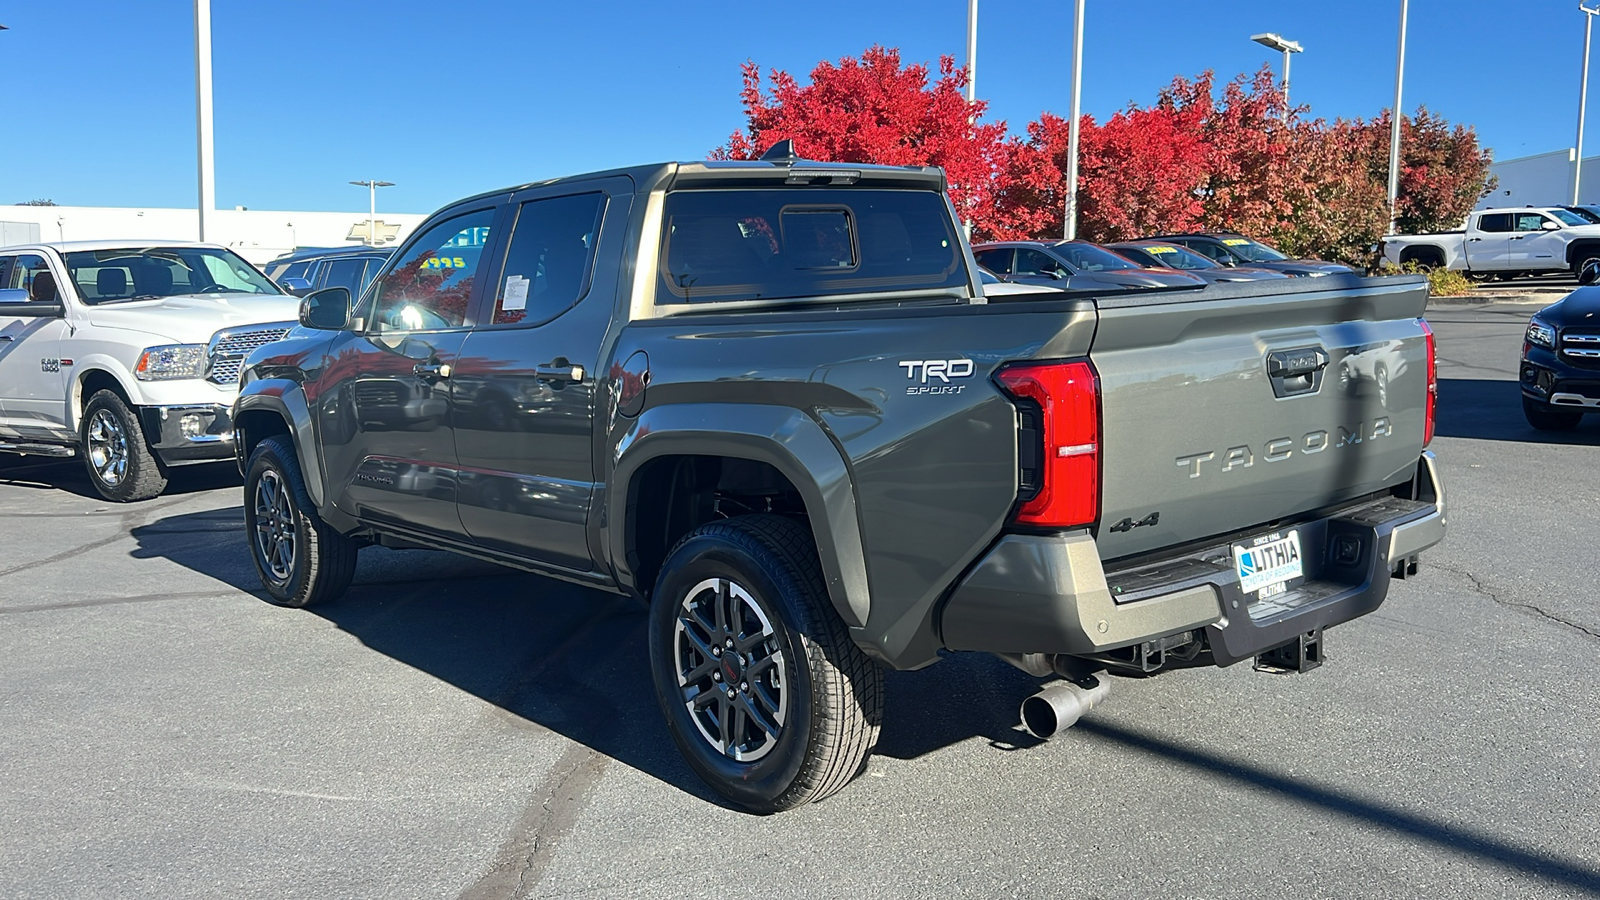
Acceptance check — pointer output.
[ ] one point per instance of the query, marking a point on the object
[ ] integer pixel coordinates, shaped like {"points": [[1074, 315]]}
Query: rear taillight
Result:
{"points": [[1058, 481], [1433, 384]]}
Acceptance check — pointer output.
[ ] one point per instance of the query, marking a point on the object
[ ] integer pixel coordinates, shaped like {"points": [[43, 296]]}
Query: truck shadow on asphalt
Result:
{"points": [[68, 475], [574, 661], [565, 658], [1491, 410]]}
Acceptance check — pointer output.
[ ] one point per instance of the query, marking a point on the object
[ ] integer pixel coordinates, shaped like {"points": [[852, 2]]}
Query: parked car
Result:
{"points": [[765, 397], [127, 354], [350, 268], [1503, 243], [1073, 265], [1560, 371], [1229, 249], [1162, 255]]}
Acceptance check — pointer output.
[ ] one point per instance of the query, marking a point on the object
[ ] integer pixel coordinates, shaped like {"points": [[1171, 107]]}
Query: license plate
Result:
{"points": [[1268, 561]]}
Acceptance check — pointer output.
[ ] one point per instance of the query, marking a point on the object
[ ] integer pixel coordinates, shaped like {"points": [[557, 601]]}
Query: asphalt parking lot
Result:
{"points": [[453, 729]]}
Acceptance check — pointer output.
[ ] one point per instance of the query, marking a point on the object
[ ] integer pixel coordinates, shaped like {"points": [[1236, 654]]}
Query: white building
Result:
{"points": [[257, 235], [1543, 180]]}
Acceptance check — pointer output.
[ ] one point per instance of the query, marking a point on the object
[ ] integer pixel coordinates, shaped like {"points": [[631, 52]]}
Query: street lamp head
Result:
{"points": [[1277, 42], [373, 184], [1592, 7]]}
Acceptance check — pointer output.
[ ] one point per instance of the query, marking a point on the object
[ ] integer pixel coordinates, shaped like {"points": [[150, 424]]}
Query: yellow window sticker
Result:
{"points": [[1234, 242], [1162, 249]]}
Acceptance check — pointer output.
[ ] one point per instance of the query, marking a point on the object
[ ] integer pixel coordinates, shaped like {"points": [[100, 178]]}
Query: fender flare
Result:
{"points": [[98, 363], [783, 437], [286, 400]]}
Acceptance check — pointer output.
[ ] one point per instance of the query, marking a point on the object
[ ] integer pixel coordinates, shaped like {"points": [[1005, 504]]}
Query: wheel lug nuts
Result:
{"points": [[730, 693], [716, 676], [728, 643], [744, 686], [716, 651]]}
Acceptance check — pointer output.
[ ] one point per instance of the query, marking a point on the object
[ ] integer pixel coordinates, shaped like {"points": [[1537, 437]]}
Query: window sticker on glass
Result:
{"points": [[1161, 249], [1235, 242], [516, 294]]}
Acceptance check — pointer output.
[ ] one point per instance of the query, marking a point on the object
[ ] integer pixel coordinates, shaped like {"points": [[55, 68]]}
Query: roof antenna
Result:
{"points": [[781, 153]]}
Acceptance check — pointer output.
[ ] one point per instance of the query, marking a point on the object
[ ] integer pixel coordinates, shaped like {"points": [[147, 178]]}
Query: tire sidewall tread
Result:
{"points": [[325, 559], [146, 478], [775, 559]]}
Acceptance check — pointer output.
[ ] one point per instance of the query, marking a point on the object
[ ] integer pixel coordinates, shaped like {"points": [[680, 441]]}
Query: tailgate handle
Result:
{"points": [[1297, 371]]}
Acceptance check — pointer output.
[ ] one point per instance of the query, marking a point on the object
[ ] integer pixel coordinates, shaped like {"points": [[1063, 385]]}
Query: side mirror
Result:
{"points": [[326, 310], [1550, 226], [296, 286], [14, 303]]}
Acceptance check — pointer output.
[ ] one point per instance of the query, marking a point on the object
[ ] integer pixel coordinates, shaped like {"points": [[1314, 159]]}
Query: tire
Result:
{"points": [[806, 713], [1545, 417], [115, 452], [1583, 259], [301, 559]]}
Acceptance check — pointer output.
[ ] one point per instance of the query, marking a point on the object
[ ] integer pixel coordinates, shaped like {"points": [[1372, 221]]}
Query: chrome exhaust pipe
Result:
{"points": [[1060, 705]]}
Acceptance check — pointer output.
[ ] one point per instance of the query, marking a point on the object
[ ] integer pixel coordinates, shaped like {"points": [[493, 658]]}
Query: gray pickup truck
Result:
{"points": [[771, 399]]}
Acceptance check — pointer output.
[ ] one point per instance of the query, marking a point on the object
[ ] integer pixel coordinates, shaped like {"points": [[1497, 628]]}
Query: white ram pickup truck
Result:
{"points": [[127, 353], [1503, 243]]}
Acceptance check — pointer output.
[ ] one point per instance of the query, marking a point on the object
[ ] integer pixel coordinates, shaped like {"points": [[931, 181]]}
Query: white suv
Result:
{"points": [[127, 353]]}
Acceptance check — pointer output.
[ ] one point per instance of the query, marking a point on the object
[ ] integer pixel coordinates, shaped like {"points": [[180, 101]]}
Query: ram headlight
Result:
{"points": [[1541, 335], [171, 361]]}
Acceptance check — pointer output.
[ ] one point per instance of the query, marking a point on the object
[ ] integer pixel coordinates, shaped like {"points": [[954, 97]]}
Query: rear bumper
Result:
{"points": [[189, 434], [1049, 593]]}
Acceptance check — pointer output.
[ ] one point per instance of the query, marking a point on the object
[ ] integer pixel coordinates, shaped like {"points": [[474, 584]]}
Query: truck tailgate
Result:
{"points": [[1244, 405]]}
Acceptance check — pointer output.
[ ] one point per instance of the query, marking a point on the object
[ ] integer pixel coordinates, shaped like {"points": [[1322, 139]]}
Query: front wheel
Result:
{"points": [[301, 559], [121, 466], [1545, 417], [765, 694]]}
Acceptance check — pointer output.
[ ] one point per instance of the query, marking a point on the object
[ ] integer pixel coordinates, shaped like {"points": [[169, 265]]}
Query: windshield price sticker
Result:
{"points": [[1235, 242], [1268, 561], [1162, 249], [516, 294]]}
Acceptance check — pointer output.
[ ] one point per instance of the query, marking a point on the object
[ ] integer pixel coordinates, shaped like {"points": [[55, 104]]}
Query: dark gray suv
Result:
{"points": [[306, 271]]}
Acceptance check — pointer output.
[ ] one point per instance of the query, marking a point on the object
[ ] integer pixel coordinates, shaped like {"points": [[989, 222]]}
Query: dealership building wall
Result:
{"points": [[1543, 180], [257, 235]]}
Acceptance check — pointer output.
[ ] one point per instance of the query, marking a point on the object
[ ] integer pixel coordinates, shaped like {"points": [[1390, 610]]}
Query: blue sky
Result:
{"points": [[451, 99]]}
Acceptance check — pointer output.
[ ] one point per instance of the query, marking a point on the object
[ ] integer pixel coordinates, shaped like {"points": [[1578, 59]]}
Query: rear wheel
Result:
{"points": [[121, 466], [301, 559], [1545, 417], [765, 694]]}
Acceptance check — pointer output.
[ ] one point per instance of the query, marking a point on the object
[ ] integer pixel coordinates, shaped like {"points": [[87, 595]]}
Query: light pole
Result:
{"points": [[972, 50], [1277, 42], [372, 207], [1583, 93], [1394, 120], [202, 91], [1069, 229]]}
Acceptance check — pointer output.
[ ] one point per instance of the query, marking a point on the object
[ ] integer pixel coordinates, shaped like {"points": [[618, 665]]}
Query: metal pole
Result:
{"points": [[972, 50], [202, 78], [372, 213], [1070, 229], [1286, 56], [1583, 101], [1394, 120]]}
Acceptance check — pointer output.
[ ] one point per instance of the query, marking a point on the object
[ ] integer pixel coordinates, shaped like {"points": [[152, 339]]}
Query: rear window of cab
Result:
{"points": [[723, 245]]}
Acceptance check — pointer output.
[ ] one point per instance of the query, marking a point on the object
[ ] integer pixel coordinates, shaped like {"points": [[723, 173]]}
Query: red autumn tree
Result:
{"points": [[876, 110], [1443, 170]]}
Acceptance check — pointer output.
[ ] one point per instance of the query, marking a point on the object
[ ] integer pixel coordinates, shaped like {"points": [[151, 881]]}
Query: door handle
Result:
{"points": [[7, 337], [558, 370], [1473, 240], [431, 371]]}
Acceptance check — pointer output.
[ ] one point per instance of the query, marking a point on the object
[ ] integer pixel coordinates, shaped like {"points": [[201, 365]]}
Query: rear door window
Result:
{"points": [[1495, 222], [345, 273], [550, 257], [996, 260], [1035, 262], [793, 244]]}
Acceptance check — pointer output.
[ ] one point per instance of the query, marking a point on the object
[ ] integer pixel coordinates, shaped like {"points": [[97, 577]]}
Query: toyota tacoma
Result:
{"points": [[771, 399]]}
